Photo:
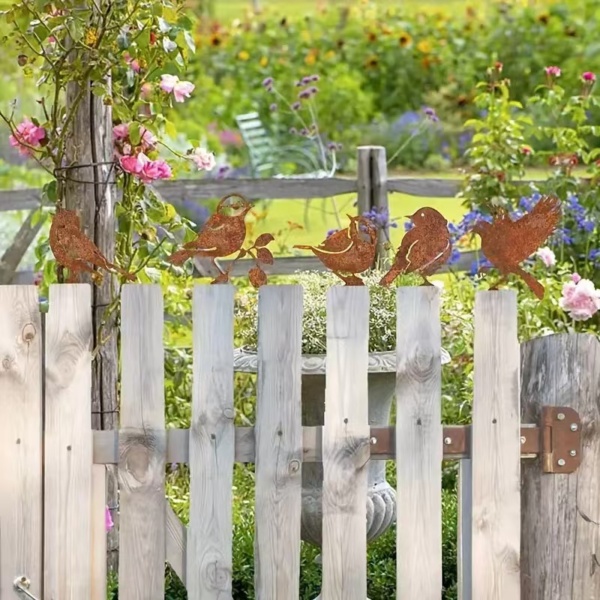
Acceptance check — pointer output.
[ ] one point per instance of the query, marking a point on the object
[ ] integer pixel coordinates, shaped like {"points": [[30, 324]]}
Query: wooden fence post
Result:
{"points": [[372, 190], [561, 513]]}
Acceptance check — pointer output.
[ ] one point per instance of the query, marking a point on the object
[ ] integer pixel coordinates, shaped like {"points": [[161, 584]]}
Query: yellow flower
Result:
{"points": [[330, 55], [264, 61], [424, 46], [91, 37], [310, 59], [405, 40], [243, 55]]}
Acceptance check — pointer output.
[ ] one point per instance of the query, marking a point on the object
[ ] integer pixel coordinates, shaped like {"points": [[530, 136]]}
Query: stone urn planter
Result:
{"points": [[381, 500]]}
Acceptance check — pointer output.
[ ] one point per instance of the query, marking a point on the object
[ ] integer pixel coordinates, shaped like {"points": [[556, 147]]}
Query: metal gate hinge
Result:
{"points": [[21, 585], [561, 439]]}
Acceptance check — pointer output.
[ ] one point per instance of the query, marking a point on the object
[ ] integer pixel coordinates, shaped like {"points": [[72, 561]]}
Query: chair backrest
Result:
{"points": [[261, 146]]}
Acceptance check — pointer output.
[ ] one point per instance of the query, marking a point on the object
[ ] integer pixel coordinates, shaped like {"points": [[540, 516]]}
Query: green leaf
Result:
{"points": [[134, 133]]}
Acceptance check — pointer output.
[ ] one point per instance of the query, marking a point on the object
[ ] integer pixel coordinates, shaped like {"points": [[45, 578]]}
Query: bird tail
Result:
{"points": [[535, 286], [179, 257], [389, 277]]}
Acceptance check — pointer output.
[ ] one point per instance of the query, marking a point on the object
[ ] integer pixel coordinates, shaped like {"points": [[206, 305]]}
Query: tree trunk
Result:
{"points": [[90, 190]]}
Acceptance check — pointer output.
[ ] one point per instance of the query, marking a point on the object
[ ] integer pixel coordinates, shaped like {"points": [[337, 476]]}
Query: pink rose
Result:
{"points": [[156, 169], [581, 300], [588, 76], [133, 164], [546, 256], [576, 277], [120, 132], [148, 139], [180, 89], [28, 133], [553, 71], [108, 522], [205, 160]]}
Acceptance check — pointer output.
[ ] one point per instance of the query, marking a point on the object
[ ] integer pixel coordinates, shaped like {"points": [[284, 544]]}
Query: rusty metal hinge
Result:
{"points": [[561, 439]]}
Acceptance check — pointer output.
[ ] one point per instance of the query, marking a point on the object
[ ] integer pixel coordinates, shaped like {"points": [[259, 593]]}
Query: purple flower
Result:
{"points": [[293, 130], [304, 94], [331, 232], [223, 171], [332, 146], [299, 84], [268, 83], [313, 91], [314, 78], [304, 131], [306, 80], [431, 114], [273, 107], [380, 217], [296, 106]]}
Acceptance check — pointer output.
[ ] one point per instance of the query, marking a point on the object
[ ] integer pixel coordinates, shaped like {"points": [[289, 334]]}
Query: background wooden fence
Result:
{"points": [[371, 186], [532, 535]]}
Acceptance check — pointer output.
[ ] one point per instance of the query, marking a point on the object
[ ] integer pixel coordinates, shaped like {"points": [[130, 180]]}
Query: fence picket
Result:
{"points": [[98, 549], [419, 450], [212, 438], [496, 448], [278, 443], [20, 438], [142, 445], [346, 445], [68, 444]]}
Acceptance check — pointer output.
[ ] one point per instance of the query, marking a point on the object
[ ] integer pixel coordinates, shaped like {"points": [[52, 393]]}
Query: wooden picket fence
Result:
{"points": [[523, 533]]}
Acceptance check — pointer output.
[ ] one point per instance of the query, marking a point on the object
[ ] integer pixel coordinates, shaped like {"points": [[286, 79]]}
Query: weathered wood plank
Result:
{"points": [[278, 443], [98, 548], [465, 508], [142, 445], [20, 199], [419, 443], [21, 481], [496, 448], [561, 513], [68, 444], [254, 189], [346, 445], [176, 550], [212, 444]]}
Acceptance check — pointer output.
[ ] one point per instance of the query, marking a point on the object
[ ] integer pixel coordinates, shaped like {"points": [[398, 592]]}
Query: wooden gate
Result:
{"points": [[530, 467]]}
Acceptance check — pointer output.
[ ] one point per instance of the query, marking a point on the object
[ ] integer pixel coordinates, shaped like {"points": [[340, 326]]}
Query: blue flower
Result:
{"points": [[594, 256], [455, 256], [477, 264], [331, 232]]}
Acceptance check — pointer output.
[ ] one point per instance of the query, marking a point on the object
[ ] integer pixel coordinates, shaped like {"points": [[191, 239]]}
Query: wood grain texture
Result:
{"points": [[278, 443], [419, 444], [212, 445], [561, 513], [68, 444], [364, 197], [142, 444], [465, 509], [176, 549], [98, 549], [379, 192], [346, 445], [20, 438], [496, 448]]}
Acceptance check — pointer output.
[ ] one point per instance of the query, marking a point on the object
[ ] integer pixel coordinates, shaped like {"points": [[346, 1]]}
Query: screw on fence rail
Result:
{"points": [[21, 586]]}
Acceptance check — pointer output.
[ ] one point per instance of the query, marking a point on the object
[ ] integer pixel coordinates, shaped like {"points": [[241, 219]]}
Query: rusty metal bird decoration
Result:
{"points": [[348, 252], [507, 243], [75, 252], [224, 234], [424, 248]]}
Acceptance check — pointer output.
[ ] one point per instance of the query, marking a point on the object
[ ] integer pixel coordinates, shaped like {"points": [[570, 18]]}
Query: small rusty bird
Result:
{"points": [[349, 251], [507, 243], [424, 248], [222, 235], [74, 251]]}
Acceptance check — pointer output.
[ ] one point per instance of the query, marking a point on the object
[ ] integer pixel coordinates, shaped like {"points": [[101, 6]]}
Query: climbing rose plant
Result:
{"points": [[132, 55]]}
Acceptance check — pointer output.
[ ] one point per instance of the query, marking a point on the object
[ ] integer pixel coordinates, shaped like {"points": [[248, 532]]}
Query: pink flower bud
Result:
{"points": [[553, 71], [588, 76]]}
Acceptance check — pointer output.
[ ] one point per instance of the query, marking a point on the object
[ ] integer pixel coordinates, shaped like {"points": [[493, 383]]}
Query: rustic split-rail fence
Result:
{"points": [[530, 461], [371, 186]]}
